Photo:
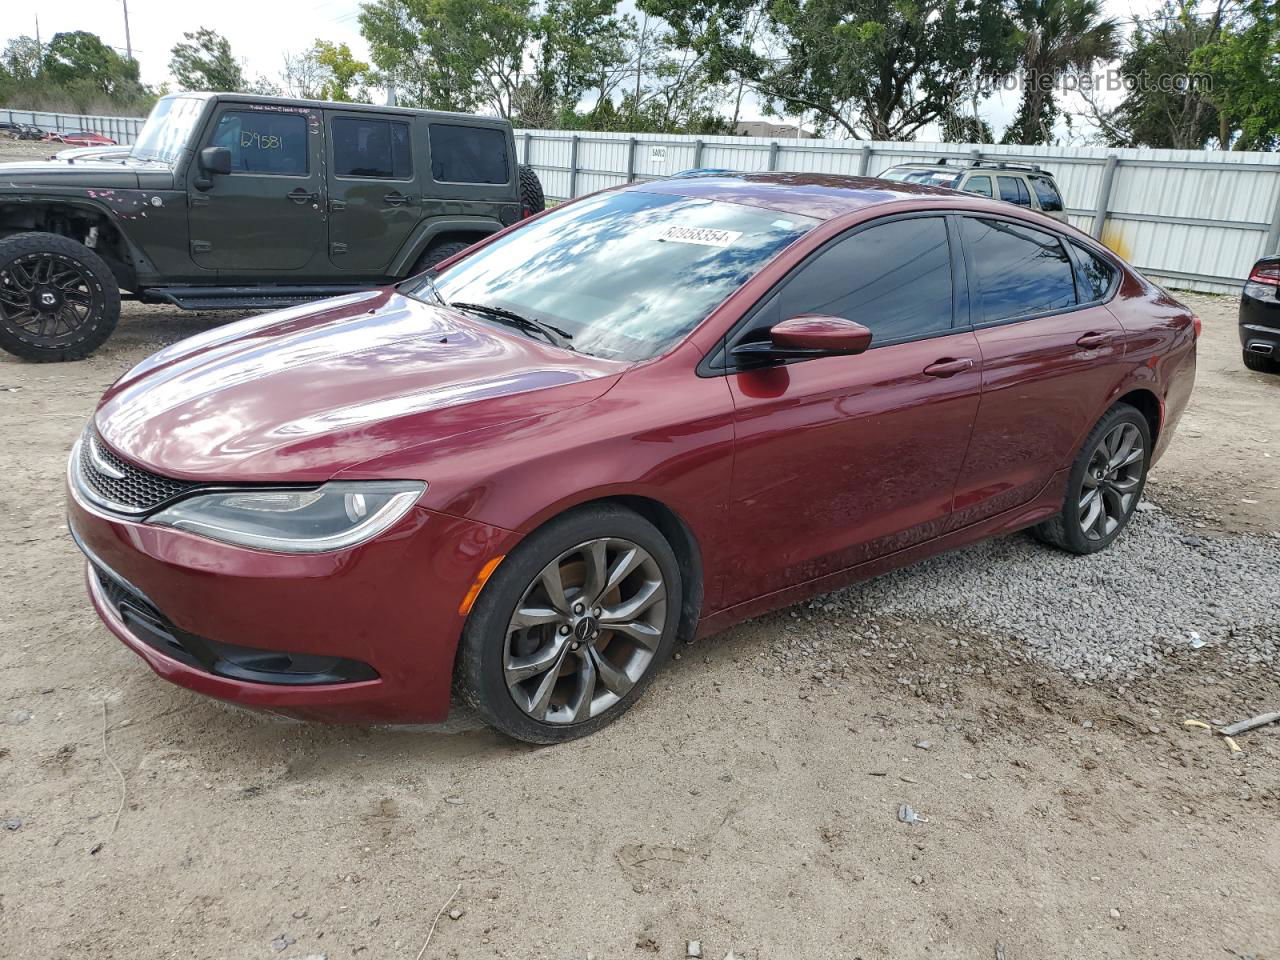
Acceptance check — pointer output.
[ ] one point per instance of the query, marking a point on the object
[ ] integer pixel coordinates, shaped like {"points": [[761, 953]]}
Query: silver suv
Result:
{"points": [[1021, 183]]}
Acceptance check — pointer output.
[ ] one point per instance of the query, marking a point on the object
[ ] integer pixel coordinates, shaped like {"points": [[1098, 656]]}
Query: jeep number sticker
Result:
{"points": [[705, 236]]}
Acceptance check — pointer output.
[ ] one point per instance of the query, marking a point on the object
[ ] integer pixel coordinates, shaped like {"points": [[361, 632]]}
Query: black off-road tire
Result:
{"points": [[479, 674], [1259, 363], [438, 254], [532, 199], [1064, 529], [73, 270]]}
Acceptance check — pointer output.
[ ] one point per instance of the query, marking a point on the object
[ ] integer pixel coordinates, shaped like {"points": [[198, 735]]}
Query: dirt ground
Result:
{"points": [[749, 801]]}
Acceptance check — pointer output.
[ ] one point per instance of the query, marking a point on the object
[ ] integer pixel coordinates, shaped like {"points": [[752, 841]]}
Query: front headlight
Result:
{"points": [[331, 517]]}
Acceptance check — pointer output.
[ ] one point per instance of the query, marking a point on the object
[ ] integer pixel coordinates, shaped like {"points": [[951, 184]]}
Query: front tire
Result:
{"points": [[572, 627], [58, 299], [1105, 484]]}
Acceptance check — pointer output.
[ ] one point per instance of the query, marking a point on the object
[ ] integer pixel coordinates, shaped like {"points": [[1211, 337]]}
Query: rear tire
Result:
{"points": [[532, 199], [58, 299], [1105, 484], [542, 663], [1259, 363], [438, 254]]}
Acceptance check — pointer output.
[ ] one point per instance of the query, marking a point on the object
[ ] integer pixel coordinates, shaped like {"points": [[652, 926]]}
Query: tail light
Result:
{"points": [[1268, 273], [1196, 325]]}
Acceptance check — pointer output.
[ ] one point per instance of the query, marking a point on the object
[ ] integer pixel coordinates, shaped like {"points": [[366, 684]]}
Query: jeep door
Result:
{"points": [[266, 215], [375, 199]]}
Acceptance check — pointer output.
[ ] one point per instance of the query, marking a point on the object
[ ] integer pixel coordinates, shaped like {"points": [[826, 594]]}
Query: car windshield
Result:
{"points": [[168, 129], [622, 275]]}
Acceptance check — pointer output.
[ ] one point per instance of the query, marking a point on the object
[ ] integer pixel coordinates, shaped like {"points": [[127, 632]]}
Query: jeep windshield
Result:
{"points": [[622, 275], [168, 129]]}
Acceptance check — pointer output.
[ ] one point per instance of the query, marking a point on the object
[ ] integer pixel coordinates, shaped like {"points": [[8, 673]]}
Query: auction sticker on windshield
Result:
{"points": [[706, 236]]}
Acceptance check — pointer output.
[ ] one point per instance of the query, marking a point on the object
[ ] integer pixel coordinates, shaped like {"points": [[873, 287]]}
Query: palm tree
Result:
{"points": [[1057, 36]]}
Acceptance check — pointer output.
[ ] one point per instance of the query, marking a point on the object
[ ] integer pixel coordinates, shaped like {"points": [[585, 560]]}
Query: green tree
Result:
{"points": [[872, 68], [203, 61], [80, 59], [344, 75], [1242, 70], [1156, 114], [21, 60], [1055, 36]]}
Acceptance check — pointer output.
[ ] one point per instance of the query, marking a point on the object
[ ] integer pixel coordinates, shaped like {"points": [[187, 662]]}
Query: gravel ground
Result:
{"points": [[1115, 615]]}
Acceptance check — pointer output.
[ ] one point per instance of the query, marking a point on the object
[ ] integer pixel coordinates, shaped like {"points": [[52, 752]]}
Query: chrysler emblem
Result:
{"points": [[100, 464]]}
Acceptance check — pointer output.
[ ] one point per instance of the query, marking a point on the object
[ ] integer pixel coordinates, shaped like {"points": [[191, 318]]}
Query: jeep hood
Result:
{"points": [[117, 174], [298, 395]]}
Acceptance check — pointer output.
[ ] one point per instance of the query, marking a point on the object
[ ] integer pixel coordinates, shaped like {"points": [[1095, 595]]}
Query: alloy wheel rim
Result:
{"points": [[1111, 481], [46, 298], [585, 631]]}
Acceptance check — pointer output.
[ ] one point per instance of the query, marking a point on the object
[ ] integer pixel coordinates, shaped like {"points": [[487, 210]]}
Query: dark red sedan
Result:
{"points": [[641, 416]]}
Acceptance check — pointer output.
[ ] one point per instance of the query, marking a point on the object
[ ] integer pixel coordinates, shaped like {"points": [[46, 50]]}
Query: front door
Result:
{"points": [[843, 459], [1050, 357], [267, 214], [375, 198]]}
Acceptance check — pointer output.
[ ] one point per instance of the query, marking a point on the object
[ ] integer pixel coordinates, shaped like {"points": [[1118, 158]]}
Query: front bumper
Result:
{"points": [[365, 635]]}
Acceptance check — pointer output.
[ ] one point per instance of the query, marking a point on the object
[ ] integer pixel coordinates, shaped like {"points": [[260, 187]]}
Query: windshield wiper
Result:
{"points": [[553, 335]]}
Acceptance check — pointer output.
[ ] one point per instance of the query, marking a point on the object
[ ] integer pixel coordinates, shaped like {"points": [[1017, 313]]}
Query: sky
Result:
{"points": [[262, 31]]}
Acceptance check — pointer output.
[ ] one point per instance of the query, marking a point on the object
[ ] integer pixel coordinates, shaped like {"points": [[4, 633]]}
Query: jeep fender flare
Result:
{"points": [[90, 205], [429, 230]]}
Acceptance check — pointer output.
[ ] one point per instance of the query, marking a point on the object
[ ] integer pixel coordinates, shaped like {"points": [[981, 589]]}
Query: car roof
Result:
{"points": [[823, 196], [253, 98]]}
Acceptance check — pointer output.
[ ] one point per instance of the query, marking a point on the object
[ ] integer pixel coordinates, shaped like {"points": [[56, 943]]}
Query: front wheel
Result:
{"points": [[58, 299], [1105, 484], [572, 626]]}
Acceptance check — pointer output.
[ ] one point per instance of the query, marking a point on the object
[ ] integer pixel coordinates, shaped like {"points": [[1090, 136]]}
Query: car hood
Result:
{"points": [[109, 174], [299, 395]]}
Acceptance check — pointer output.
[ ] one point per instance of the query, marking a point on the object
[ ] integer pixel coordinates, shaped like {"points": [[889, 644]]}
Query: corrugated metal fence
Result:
{"points": [[119, 129], [1191, 219]]}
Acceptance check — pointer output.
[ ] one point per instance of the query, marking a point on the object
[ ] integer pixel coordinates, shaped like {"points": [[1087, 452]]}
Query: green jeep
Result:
{"points": [[242, 202]]}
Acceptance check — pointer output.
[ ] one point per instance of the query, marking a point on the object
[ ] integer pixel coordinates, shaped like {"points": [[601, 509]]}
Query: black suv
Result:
{"points": [[237, 201]]}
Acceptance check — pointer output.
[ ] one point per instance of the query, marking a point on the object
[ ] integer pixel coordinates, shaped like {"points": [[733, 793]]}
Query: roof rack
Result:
{"points": [[1002, 165]]}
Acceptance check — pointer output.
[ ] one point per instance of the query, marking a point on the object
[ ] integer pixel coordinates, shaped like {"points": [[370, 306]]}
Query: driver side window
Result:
{"points": [[894, 278], [263, 142]]}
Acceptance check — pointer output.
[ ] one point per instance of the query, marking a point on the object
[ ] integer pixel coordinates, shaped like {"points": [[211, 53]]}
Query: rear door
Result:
{"points": [[1013, 189], [375, 196], [1051, 354], [267, 214]]}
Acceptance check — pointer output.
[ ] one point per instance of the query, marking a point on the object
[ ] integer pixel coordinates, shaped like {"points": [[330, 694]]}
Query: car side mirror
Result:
{"points": [[806, 337], [211, 161]]}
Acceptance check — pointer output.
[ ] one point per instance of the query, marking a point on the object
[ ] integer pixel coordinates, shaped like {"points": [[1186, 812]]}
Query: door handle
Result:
{"points": [[396, 199], [1091, 340], [948, 367], [298, 195]]}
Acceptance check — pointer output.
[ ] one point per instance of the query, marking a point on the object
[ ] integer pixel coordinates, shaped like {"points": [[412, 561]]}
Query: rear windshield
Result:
{"points": [[626, 275]]}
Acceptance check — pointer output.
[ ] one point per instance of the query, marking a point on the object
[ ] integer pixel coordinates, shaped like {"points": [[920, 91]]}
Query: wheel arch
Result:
{"points": [[429, 232], [74, 218], [1149, 405]]}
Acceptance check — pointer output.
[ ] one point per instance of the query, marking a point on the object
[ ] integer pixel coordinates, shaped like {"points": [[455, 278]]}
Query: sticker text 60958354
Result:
{"points": [[704, 236]]}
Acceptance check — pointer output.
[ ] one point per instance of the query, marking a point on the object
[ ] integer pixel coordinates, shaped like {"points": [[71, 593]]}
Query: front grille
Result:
{"points": [[135, 490]]}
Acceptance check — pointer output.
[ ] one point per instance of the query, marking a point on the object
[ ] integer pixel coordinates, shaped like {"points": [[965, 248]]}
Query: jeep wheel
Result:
{"points": [[58, 299], [532, 199]]}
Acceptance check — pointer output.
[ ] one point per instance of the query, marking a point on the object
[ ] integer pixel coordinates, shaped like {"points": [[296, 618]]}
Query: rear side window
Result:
{"points": [[368, 147], [979, 185], [263, 142], [1046, 193], [1095, 274], [462, 154], [894, 278], [1020, 271], [1013, 190]]}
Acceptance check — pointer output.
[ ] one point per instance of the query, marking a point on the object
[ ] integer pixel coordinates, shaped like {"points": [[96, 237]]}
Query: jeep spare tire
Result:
{"points": [[532, 199], [58, 299]]}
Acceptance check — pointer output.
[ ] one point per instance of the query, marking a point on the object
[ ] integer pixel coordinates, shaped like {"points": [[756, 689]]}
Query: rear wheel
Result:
{"points": [[1105, 484], [1260, 363], [573, 626], [532, 199], [58, 299], [438, 254]]}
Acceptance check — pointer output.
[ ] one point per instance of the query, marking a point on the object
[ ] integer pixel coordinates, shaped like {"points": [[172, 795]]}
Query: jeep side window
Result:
{"points": [[263, 142], [371, 148], [979, 185], [462, 154], [1047, 193]]}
